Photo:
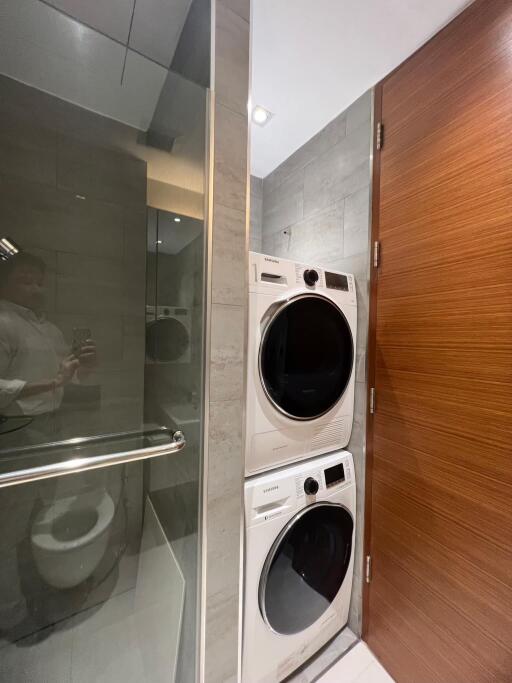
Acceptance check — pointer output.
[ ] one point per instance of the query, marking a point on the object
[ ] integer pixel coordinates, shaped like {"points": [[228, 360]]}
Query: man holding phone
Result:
{"points": [[35, 361]]}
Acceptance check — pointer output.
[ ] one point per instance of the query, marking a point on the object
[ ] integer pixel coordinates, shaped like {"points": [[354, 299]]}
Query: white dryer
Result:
{"points": [[300, 528], [301, 359]]}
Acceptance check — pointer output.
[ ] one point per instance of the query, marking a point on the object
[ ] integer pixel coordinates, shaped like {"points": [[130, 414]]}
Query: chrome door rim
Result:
{"points": [[280, 308], [275, 545]]}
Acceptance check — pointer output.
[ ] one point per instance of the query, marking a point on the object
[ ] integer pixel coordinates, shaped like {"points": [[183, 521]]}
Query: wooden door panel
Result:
{"points": [[439, 606], [442, 361], [406, 597], [451, 576], [483, 554], [452, 509], [490, 464], [485, 426], [447, 477], [392, 639]]}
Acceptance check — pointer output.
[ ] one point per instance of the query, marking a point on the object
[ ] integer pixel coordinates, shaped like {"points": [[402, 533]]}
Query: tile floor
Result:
{"points": [[323, 660], [96, 645], [357, 666]]}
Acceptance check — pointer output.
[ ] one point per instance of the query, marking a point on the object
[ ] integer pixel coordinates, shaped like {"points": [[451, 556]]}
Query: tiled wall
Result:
{"points": [[256, 233], [224, 476], [316, 209]]}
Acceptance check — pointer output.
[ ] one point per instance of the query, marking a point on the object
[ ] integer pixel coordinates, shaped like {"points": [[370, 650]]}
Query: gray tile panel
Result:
{"points": [[230, 163], [329, 136], [232, 60], [284, 205], [228, 269], [340, 171]]}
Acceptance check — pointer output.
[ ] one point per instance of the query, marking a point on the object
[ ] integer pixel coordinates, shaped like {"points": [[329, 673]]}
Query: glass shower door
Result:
{"points": [[102, 241]]}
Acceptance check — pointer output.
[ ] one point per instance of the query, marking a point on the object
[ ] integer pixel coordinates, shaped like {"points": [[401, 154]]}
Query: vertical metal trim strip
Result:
{"points": [[202, 536]]}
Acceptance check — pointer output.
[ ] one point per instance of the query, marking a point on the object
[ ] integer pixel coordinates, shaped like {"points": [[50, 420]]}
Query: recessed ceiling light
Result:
{"points": [[261, 116], [177, 219], [159, 241], [7, 248]]}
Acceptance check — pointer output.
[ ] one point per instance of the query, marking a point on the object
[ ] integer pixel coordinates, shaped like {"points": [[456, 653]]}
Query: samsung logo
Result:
{"points": [[271, 260], [270, 489]]}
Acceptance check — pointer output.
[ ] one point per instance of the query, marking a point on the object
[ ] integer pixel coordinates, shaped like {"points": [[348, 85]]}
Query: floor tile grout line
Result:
{"points": [[318, 679], [359, 676], [373, 663]]}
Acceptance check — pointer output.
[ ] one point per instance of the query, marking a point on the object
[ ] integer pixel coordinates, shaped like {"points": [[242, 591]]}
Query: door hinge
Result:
{"points": [[376, 254], [380, 135], [372, 400], [368, 572]]}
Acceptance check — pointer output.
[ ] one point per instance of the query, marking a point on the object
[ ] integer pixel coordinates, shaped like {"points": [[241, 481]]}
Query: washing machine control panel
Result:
{"points": [[312, 277], [278, 494], [315, 481], [337, 281], [307, 482], [334, 475]]}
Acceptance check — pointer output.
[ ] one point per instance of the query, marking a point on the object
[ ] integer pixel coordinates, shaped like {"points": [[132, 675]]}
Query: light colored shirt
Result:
{"points": [[31, 350]]}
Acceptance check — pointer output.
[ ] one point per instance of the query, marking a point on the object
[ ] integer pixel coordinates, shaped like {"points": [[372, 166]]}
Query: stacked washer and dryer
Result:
{"points": [[300, 495]]}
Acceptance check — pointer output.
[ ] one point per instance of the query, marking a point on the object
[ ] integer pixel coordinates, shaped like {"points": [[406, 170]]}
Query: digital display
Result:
{"points": [[336, 281], [334, 475]]}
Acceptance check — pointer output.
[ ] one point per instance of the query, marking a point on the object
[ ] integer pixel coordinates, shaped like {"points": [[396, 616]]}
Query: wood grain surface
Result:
{"points": [[439, 606]]}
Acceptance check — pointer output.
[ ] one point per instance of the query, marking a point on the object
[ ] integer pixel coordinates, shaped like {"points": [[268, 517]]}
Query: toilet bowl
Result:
{"points": [[70, 536]]}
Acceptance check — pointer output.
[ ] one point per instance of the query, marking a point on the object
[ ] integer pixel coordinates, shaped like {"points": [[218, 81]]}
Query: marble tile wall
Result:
{"points": [[224, 475], [316, 209], [256, 231]]}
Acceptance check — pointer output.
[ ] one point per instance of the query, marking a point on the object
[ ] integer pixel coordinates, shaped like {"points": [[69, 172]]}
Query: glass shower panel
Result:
{"points": [[103, 125]]}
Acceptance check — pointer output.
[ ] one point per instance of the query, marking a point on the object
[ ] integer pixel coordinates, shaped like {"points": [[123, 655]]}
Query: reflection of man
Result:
{"points": [[35, 361]]}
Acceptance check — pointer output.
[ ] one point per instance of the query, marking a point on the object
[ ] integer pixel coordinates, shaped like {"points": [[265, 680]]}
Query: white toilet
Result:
{"points": [[70, 536]]}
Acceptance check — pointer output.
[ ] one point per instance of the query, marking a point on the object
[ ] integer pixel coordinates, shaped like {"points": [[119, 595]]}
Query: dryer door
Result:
{"points": [[306, 567], [306, 357], [167, 339]]}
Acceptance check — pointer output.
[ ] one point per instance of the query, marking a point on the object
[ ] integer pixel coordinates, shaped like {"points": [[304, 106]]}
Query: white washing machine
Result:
{"points": [[300, 528], [301, 359], [168, 334]]}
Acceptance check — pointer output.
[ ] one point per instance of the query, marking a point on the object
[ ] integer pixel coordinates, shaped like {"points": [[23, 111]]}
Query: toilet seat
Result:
{"points": [[43, 527]]}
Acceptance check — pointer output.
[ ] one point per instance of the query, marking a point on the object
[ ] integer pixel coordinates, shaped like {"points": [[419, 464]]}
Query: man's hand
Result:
{"points": [[67, 370], [87, 355]]}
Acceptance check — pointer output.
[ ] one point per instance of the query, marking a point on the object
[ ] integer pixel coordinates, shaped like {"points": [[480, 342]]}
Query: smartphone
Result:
{"points": [[80, 336]]}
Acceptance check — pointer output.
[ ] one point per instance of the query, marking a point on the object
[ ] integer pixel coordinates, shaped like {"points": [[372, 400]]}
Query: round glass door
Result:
{"points": [[306, 567], [306, 357], [167, 340]]}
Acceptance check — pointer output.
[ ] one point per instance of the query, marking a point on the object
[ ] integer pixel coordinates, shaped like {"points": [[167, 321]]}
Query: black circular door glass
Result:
{"points": [[166, 340], [304, 574], [306, 357]]}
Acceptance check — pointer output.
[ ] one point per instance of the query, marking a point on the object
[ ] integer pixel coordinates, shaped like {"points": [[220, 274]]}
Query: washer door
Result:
{"points": [[167, 340], [306, 567], [306, 357]]}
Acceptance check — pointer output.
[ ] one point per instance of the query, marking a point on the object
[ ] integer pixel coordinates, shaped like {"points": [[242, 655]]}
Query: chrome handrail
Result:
{"points": [[79, 441], [94, 462]]}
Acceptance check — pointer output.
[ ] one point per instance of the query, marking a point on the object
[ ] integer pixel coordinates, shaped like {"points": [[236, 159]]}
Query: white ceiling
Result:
{"points": [[89, 63], [151, 27], [311, 60], [111, 17]]}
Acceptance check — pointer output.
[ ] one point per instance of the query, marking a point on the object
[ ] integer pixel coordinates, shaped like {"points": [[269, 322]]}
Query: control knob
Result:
{"points": [[311, 486], [310, 277]]}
